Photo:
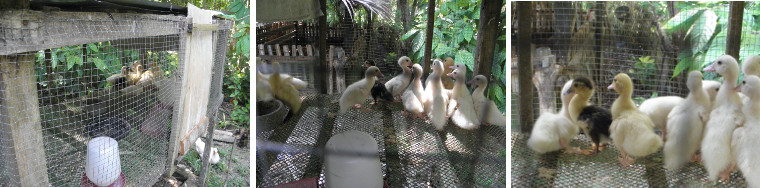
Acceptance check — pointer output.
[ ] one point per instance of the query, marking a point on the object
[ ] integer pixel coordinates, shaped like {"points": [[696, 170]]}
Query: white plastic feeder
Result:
{"points": [[103, 164], [346, 170]]}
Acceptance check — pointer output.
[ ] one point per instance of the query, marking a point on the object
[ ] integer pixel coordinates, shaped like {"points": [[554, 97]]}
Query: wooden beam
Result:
{"points": [[26, 30], [429, 39], [203, 27], [275, 31], [733, 40], [281, 38], [321, 82], [20, 124], [486, 42], [525, 13]]}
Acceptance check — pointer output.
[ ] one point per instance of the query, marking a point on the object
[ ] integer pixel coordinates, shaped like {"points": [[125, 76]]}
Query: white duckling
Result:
{"points": [[685, 124], [356, 93], [486, 109], [264, 91], [284, 90], [436, 105], [631, 130], [461, 106], [398, 84], [413, 95], [750, 66], [551, 131], [745, 141], [658, 108], [711, 87], [724, 118]]}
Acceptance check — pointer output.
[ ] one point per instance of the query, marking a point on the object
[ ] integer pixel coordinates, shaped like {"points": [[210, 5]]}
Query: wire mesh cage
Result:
{"points": [[654, 43], [70, 77], [411, 151]]}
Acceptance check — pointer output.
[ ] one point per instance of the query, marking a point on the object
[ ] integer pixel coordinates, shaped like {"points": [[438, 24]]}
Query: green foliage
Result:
{"points": [[706, 27], [643, 68], [455, 28], [454, 35], [237, 70]]}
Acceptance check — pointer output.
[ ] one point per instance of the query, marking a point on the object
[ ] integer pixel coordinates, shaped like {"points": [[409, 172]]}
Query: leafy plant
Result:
{"points": [[706, 27], [643, 68], [454, 35], [237, 71]]}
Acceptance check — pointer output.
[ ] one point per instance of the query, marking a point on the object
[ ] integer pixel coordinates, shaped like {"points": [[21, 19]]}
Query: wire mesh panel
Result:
{"points": [[655, 43], [92, 75]]}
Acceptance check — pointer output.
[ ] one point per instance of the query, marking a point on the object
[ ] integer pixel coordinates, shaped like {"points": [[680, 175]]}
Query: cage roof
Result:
{"points": [[111, 6]]}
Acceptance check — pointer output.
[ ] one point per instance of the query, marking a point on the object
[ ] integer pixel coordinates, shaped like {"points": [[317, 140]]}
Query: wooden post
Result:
{"points": [[20, 124], [207, 149], [321, 82], [524, 65], [733, 40], [429, 39], [598, 24], [487, 31], [330, 70]]}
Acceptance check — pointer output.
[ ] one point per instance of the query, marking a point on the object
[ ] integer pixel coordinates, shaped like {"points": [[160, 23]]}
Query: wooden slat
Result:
{"points": [[26, 30], [286, 50], [288, 58], [261, 49], [277, 48], [269, 47], [309, 50]]}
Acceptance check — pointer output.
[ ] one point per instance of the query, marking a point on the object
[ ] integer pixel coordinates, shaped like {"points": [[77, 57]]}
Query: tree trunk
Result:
{"points": [[322, 65], [429, 38], [525, 66], [733, 40], [487, 34], [403, 6]]}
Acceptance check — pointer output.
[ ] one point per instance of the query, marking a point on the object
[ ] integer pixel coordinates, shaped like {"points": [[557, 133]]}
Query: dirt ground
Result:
{"points": [[233, 170]]}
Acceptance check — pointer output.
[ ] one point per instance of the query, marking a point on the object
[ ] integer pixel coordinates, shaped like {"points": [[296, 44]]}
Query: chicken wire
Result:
{"points": [[617, 37], [75, 102], [412, 153]]}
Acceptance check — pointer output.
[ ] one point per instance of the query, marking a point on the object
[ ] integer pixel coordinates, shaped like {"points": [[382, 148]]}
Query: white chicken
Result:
{"points": [[486, 109], [551, 131], [658, 108], [413, 95], [725, 116], [199, 147], [631, 131], [685, 124], [436, 104], [398, 84], [356, 93], [461, 106], [745, 141]]}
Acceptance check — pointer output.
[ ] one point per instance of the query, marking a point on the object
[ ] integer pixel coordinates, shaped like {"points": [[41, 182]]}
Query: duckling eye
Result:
{"points": [[744, 82], [716, 89], [719, 62]]}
